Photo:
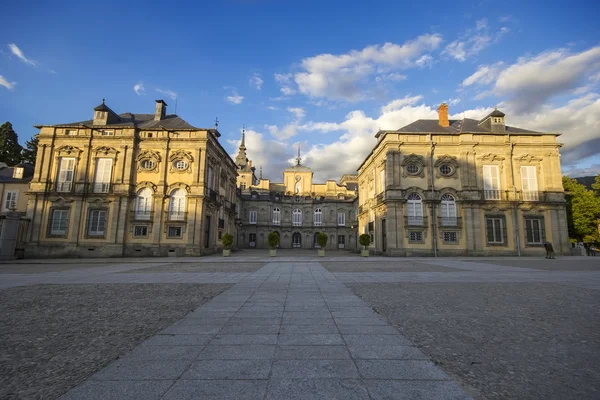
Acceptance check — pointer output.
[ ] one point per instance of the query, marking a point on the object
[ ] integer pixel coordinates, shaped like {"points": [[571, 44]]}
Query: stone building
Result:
{"points": [[130, 184], [297, 209], [463, 187], [14, 183]]}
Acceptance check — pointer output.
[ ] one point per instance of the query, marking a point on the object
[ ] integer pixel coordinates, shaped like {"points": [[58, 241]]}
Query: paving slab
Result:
{"points": [[290, 330]]}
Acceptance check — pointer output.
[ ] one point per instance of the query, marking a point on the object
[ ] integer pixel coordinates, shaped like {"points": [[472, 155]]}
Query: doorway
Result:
{"points": [[383, 236], [296, 240]]}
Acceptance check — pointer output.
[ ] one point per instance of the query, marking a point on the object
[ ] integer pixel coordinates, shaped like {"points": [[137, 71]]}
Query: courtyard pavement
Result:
{"points": [[289, 330]]}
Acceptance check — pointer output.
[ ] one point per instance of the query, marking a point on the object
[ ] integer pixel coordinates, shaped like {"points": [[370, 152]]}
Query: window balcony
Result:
{"points": [[318, 223], [531, 195], [100, 187], [276, 223], [173, 216], [63, 187], [415, 220], [221, 223], [142, 215], [211, 194], [492, 194], [295, 223], [450, 222]]}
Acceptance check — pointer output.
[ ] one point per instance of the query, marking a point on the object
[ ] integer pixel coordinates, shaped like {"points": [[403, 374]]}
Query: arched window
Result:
{"points": [[448, 210], [143, 204], [297, 217], [177, 205], [414, 209], [276, 216], [318, 217]]}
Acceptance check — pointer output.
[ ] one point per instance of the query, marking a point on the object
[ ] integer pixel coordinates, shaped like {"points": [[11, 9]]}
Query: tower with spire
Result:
{"points": [[246, 172]]}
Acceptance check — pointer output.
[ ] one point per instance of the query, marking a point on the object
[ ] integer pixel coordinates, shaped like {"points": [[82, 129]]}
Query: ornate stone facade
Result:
{"points": [[297, 210], [130, 184], [463, 187]]}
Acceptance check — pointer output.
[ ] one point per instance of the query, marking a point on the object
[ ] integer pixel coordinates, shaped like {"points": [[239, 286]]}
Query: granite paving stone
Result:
{"points": [[132, 369], [315, 328], [400, 369], [312, 353], [246, 339], [314, 369], [164, 353], [118, 390], [217, 390], [396, 389], [310, 339], [178, 340], [228, 369], [237, 352], [317, 389]]}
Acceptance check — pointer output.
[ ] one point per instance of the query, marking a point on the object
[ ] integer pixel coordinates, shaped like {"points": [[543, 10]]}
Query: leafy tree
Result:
{"points": [[273, 240], [29, 153], [583, 209], [596, 185], [322, 239], [10, 149], [364, 240]]}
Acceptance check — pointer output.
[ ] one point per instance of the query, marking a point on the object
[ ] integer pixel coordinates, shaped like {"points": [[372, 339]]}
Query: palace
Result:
{"points": [[152, 184], [130, 185]]}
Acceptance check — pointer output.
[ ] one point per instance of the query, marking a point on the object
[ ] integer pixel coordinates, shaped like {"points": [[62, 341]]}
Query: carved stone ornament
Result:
{"points": [[148, 161], [491, 157], [105, 151], [447, 164], [492, 208], [178, 185], [97, 203], [410, 162], [68, 151], [181, 158], [60, 202], [528, 158], [143, 185]]}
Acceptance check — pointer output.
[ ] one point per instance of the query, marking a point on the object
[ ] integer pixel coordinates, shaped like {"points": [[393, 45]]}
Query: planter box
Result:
{"points": [[272, 253], [321, 253], [226, 252], [364, 253]]}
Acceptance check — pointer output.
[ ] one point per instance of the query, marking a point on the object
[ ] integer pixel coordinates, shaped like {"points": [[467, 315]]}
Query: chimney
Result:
{"points": [[443, 115], [161, 110]]}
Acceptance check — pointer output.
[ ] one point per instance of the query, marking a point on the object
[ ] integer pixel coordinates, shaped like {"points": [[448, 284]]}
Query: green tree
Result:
{"points": [[10, 149], [29, 153], [596, 184], [583, 209]]}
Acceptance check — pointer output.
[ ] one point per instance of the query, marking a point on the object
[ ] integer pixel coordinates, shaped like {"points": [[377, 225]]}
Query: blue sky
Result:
{"points": [[325, 75]]}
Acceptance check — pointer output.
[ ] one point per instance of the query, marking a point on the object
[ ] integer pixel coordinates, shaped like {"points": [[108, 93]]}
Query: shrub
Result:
{"points": [[273, 240], [322, 239], [227, 240], [364, 240]]}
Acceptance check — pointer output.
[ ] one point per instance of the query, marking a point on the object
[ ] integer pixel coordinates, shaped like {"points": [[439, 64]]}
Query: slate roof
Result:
{"points": [[298, 168], [495, 113], [145, 121], [466, 125], [6, 174]]}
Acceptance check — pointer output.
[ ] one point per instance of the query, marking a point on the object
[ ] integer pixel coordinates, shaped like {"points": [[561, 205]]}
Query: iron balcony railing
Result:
{"points": [[450, 221], [492, 194], [63, 187], [221, 223], [176, 215], [415, 220], [100, 187], [211, 194], [530, 195], [142, 215]]}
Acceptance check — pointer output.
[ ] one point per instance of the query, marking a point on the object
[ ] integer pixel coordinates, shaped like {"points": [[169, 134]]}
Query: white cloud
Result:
{"points": [[286, 84], [486, 74], [399, 103], [235, 98], [256, 81], [7, 84], [341, 77], [297, 111], [139, 89], [19, 53], [454, 101], [591, 170], [167, 92], [272, 108], [531, 81], [473, 41], [272, 155], [424, 61], [393, 77]]}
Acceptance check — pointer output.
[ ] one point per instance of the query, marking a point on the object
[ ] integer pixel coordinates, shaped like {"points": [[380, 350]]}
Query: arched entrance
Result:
{"points": [[316, 244], [296, 240]]}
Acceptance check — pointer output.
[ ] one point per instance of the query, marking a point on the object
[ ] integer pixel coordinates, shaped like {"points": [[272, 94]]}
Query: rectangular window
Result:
{"points": [[209, 179], [97, 223], [341, 241], [59, 222], [341, 219], [318, 218], [495, 230], [66, 173], [140, 231], [534, 230], [175, 231], [253, 217], [297, 218], [415, 236], [450, 237], [382, 180], [529, 183], [276, 217], [103, 174], [107, 133], [70, 132], [491, 182], [10, 200], [252, 239]]}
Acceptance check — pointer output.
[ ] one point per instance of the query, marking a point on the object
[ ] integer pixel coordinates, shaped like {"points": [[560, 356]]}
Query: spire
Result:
{"points": [[243, 137], [261, 172], [298, 159], [241, 160]]}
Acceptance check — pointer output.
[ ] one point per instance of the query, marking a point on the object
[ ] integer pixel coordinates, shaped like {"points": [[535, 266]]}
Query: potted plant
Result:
{"points": [[227, 241], [273, 239], [322, 241], [364, 240]]}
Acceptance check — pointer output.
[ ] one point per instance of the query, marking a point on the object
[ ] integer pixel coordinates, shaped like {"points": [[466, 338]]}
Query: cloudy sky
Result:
{"points": [[323, 75]]}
